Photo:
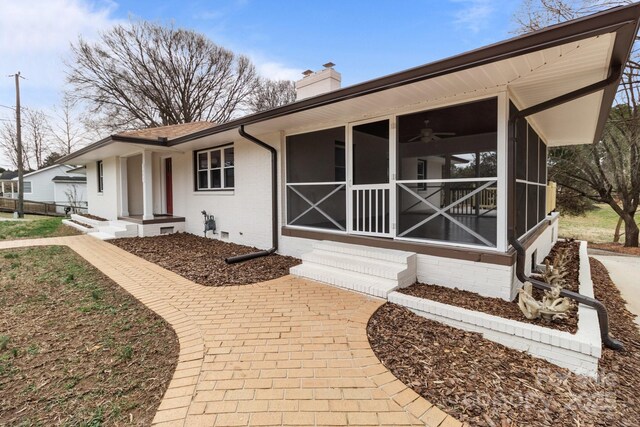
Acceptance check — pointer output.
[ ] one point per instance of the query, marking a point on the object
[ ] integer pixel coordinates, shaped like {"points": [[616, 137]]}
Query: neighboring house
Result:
{"points": [[446, 160], [7, 185], [51, 185]]}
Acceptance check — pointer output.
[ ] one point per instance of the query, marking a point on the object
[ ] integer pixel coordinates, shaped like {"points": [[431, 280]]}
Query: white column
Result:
{"points": [[503, 171], [147, 185], [123, 193]]}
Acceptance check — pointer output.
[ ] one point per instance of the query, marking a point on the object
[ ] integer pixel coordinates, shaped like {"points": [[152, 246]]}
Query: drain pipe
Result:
{"points": [[603, 315], [274, 202]]}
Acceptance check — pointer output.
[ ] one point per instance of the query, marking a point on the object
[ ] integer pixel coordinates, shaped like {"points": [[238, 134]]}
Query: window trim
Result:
{"points": [[100, 173], [196, 169]]}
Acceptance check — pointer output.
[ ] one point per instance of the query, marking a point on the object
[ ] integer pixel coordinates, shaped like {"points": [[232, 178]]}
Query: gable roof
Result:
{"points": [[36, 172], [602, 43], [5, 176]]}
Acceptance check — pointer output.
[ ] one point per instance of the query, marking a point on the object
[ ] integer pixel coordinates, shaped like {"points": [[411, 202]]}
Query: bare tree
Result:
{"points": [[68, 131], [607, 171], [271, 94], [36, 127], [144, 75], [9, 145]]}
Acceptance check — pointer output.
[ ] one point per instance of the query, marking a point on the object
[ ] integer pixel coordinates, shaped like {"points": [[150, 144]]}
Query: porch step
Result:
{"points": [[372, 271], [115, 230]]}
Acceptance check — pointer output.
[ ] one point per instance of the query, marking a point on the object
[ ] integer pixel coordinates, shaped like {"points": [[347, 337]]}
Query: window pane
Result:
{"points": [[542, 202], [542, 169], [228, 157], [532, 155], [202, 161], [27, 186], [521, 149], [202, 179], [532, 206], [371, 153], [521, 209], [216, 179], [215, 159], [311, 157], [455, 142], [229, 178]]}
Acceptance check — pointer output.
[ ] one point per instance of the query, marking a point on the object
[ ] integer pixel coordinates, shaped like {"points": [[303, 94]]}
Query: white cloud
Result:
{"points": [[35, 36], [474, 14], [277, 71]]}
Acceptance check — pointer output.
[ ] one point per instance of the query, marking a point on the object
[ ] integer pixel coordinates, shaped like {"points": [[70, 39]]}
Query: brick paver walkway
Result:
{"points": [[283, 352]]}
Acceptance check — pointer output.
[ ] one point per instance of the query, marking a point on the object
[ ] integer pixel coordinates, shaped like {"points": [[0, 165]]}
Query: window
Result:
{"points": [[100, 176], [316, 179], [27, 186], [531, 176], [215, 169], [447, 162]]}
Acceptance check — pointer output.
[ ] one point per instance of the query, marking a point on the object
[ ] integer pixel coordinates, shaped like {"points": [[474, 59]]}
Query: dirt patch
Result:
{"points": [[486, 384], [615, 247], [75, 348], [500, 307], [93, 217], [202, 260]]}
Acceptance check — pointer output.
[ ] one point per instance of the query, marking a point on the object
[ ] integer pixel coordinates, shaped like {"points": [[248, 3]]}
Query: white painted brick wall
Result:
{"points": [[578, 352], [148, 230]]}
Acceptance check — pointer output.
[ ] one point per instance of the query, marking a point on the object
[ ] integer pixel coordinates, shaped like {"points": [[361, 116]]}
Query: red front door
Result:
{"points": [[168, 185]]}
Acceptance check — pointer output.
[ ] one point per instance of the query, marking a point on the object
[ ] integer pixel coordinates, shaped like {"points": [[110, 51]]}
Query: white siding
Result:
{"points": [[103, 204], [42, 188]]}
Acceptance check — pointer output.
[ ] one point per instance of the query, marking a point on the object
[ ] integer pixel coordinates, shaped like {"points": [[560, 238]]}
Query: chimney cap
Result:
{"points": [[329, 65], [307, 73]]}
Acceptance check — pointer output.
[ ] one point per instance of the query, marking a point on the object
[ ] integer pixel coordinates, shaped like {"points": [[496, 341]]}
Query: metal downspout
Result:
{"points": [[603, 315], [274, 202]]}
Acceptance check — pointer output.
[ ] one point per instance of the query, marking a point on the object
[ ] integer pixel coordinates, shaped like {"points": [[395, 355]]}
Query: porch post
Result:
{"points": [[123, 193], [147, 185], [503, 172]]}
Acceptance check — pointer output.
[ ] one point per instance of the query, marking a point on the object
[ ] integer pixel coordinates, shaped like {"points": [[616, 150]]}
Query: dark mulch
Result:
{"points": [[202, 260], [500, 307], [487, 384], [93, 217], [75, 348], [615, 247]]}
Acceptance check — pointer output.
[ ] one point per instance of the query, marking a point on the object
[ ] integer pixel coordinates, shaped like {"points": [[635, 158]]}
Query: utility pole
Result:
{"points": [[20, 207]]}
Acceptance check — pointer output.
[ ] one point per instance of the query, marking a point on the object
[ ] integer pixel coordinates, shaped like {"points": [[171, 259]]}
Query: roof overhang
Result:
{"points": [[532, 68]]}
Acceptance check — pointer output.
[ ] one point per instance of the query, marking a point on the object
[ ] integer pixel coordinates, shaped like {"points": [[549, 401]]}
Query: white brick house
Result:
{"points": [[446, 161]]}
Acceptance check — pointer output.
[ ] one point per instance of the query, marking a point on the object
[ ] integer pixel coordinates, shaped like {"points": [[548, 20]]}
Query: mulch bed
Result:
{"points": [[615, 247], [75, 348], [487, 384], [81, 223], [93, 217], [499, 307], [202, 260]]}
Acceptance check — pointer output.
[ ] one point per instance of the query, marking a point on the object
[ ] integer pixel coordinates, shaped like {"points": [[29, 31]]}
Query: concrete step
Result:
{"points": [[390, 255], [82, 228], [360, 264], [370, 285], [101, 235], [372, 271]]}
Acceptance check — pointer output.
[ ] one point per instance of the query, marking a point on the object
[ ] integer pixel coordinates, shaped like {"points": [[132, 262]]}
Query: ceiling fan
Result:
{"points": [[428, 135]]}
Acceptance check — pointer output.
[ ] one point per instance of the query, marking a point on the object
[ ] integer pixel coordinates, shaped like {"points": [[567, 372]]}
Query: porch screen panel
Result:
{"points": [[447, 174], [531, 177], [316, 181]]}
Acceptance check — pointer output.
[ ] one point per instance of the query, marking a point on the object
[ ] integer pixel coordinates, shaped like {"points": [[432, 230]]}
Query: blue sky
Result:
{"points": [[366, 39]]}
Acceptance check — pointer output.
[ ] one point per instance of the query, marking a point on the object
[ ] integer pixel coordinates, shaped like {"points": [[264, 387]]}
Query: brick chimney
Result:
{"points": [[323, 81]]}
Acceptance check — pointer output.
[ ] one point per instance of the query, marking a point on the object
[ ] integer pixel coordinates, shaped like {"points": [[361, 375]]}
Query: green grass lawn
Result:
{"points": [[34, 226], [596, 226]]}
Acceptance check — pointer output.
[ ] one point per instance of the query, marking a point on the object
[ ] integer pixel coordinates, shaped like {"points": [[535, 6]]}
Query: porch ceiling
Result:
{"points": [[530, 79]]}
